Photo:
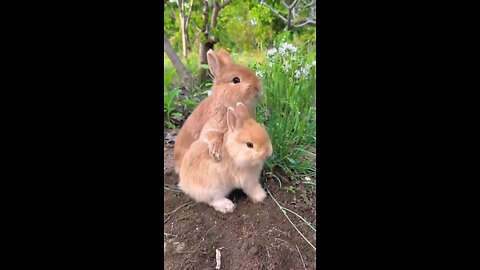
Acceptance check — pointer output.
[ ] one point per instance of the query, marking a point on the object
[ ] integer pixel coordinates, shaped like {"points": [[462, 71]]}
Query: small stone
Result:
{"points": [[179, 247], [253, 250]]}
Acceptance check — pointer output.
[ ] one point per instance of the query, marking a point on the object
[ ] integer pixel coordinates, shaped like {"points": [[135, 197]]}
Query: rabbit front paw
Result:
{"points": [[223, 205], [258, 195], [214, 150]]}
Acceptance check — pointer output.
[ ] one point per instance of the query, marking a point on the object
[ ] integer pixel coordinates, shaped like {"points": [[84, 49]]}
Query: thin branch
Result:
{"points": [[301, 257], [276, 13], [294, 3], [187, 20], [292, 19], [305, 22], [308, 5], [226, 2], [180, 6]]}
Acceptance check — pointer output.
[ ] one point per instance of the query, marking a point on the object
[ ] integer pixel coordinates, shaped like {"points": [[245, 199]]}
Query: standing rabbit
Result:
{"points": [[232, 84], [245, 148]]}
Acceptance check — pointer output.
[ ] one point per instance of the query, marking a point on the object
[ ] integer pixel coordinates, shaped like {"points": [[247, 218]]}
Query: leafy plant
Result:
{"points": [[288, 108], [169, 97]]}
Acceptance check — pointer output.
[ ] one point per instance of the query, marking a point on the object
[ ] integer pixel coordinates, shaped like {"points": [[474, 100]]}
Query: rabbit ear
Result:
{"points": [[234, 122], [231, 118], [214, 62], [225, 56], [242, 111]]}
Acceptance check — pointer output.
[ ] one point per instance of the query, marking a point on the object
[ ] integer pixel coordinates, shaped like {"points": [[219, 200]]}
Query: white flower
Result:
{"points": [[291, 47], [260, 73], [305, 71], [298, 73], [271, 52], [288, 47], [314, 63]]}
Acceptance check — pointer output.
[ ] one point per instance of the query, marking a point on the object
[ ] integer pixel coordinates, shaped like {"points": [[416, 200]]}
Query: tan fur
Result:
{"points": [[213, 109], [209, 181]]}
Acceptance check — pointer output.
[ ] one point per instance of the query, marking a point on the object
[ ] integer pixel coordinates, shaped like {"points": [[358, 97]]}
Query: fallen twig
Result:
{"points": [[301, 257], [291, 222], [218, 258], [169, 235], [171, 188], [306, 222], [176, 209]]}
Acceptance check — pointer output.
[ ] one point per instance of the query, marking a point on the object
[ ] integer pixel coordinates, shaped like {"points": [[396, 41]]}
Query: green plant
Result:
{"points": [[169, 98], [288, 108]]}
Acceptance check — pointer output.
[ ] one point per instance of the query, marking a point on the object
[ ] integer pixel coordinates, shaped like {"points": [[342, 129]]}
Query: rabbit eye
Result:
{"points": [[236, 80], [249, 145]]}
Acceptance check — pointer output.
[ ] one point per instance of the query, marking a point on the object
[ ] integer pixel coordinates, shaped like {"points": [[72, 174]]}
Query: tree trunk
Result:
{"points": [[208, 41], [185, 34], [183, 26], [203, 42], [216, 9], [177, 63]]}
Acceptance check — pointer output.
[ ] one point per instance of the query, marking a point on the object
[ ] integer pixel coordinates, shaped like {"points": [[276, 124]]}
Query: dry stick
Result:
{"points": [[173, 190], [218, 258], [171, 187], [169, 235], [197, 245], [301, 257], [175, 210], [300, 218], [285, 214], [278, 179]]}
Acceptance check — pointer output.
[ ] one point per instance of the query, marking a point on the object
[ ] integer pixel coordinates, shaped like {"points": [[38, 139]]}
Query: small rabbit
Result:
{"points": [[232, 84], [246, 147]]}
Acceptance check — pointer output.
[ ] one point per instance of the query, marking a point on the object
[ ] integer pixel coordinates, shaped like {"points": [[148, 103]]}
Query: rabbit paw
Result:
{"points": [[258, 196], [223, 205], [214, 150]]}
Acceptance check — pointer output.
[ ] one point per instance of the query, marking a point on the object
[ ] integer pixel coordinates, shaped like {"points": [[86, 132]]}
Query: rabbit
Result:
{"points": [[245, 149], [232, 84]]}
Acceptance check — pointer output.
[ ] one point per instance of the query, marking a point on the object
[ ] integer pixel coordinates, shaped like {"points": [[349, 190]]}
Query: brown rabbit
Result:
{"points": [[232, 84], [246, 147]]}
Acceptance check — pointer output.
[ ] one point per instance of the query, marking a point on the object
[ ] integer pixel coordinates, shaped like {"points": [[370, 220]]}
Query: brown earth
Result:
{"points": [[255, 236]]}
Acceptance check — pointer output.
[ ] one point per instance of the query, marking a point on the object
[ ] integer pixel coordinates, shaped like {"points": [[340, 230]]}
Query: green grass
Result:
{"points": [[288, 111], [170, 98]]}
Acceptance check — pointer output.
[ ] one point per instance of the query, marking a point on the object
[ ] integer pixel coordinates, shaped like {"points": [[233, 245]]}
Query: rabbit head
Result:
{"points": [[233, 83], [247, 142]]}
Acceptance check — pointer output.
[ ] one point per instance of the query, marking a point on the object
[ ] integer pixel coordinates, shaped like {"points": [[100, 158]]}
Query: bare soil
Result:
{"points": [[255, 236]]}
